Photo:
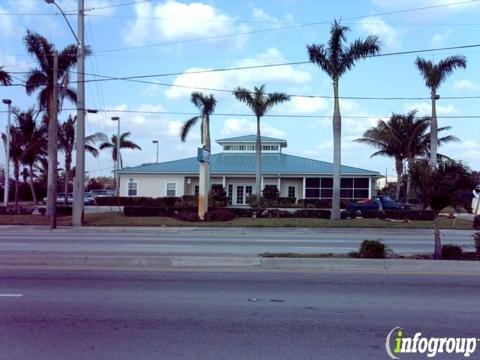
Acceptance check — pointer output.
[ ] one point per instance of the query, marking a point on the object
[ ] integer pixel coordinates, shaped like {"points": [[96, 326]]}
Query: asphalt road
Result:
{"points": [[226, 315], [227, 241]]}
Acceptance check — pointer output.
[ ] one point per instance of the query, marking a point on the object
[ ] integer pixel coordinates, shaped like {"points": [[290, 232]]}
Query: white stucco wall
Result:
{"points": [[154, 185]]}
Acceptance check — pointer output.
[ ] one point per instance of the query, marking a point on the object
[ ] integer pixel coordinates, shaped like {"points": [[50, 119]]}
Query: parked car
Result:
{"points": [[363, 207], [88, 199], [102, 193]]}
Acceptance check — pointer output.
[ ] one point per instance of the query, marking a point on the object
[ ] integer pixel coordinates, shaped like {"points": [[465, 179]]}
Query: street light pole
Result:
{"points": [[79, 180], [7, 102], [117, 162], [156, 142]]}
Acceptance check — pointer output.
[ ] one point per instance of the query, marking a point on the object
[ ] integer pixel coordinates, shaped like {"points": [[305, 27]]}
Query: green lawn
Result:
{"points": [[118, 219]]}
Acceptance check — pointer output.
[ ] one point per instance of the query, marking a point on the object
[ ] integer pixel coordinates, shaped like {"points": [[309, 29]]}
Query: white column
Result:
{"points": [[278, 185], [304, 183], [224, 183], [369, 187], [261, 185]]}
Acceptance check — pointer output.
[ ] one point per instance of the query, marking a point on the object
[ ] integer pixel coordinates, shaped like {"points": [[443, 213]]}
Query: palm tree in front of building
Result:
{"points": [[125, 143], [259, 102], [206, 104], [434, 75], [16, 152], [335, 58], [5, 78]]}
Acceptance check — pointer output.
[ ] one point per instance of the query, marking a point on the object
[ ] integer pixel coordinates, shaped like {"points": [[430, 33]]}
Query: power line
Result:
{"points": [[287, 27], [267, 115]]}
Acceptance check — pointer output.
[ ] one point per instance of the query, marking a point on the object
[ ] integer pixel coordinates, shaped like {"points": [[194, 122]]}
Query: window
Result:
{"points": [[197, 190], [248, 191], [171, 189], [227, 147], [291, 191], [132, 188], [351, 188], [240, 195], [230, 194], [241, 147]]}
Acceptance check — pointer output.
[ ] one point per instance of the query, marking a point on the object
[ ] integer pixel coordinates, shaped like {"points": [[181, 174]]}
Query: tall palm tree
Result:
{"points": [[434, 75], [41, 78], [259, 102], [124, 144], [5, 78], [438, 186], [404, 138], [66, 143], [335, 58], [16, 151], [33, 136], [206, 104]]}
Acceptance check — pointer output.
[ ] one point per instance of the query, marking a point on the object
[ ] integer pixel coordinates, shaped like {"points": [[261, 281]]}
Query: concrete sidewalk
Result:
{"points": [[167, 262]]}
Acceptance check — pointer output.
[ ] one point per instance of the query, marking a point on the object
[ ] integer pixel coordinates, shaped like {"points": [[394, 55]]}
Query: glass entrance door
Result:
{"points": [[242, 193]]}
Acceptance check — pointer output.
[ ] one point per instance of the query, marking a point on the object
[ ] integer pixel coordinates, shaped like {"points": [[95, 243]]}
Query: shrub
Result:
{"points": [[271, 193], [188, 216], [218, 196], [64, 210], [242, 212], [372, 249], [476, 222], [476, 239], [141, 211], [286, 202], [42, 210], [275, 213], [451, 252], [314, 213], [320, 203], [219, 215], [15, 210], [190, 200]]}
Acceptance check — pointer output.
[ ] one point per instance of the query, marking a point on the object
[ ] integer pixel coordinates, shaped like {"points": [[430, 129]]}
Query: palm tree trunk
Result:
{"points": [[433, 131], [337, 154], [409, 184], [68, 164], [16, 174], [399, 169], [32, 187], [203, 175], [437, 254], [258, 161]]}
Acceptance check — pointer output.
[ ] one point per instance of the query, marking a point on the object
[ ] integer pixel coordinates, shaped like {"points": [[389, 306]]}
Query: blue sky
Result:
{"points": [[153, 37]]}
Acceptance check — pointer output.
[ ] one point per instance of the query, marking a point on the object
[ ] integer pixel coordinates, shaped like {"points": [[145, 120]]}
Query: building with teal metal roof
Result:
{"points": [[234, 169]]}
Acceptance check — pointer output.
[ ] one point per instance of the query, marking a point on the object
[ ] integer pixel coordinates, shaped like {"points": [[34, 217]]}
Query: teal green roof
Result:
{"points": [[251, 138], [244, 164]]}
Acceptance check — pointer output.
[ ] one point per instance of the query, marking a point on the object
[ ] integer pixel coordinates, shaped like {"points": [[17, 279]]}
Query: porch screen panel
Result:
{"points": [[350, 188]]}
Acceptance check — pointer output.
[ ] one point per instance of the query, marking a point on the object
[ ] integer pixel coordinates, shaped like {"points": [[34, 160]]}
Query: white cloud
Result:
{"points": [[405, 4], [261, 16], [6, 24], [232, 127], [302, 105], [172, 21], [439, 38], [465, 86], [285, 75], [373, 25], [425, 109], [467, 150]]}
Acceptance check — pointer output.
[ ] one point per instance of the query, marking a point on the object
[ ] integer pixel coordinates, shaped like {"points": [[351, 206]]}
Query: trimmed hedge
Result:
{"points": [[372, 249], [188, 216], [319, 203], [219, 215], [142, 201], [15, 210], [476, 222], [64, 210], [452, 252]]}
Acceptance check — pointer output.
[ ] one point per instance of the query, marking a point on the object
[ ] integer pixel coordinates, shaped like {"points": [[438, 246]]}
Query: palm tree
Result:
{"points": [[33, 137], [405, 138], [206, 104], [42, 77], [5, 78], [259, 102], [434, 75], [66, 143], [124, 144], [16, 151], [335, 58], [438, 186]]}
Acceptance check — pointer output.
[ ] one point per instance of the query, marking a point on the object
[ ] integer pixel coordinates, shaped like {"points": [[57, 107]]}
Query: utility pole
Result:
{"points": [[52, 149], [79, 180], [117, 160], [7, 102]]}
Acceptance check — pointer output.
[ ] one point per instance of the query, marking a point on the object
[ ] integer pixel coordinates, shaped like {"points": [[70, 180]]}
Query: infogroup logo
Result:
{"points": [[397, 343]]}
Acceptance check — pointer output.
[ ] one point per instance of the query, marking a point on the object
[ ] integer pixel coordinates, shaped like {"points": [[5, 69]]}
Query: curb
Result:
{"points": [[167, 262]]}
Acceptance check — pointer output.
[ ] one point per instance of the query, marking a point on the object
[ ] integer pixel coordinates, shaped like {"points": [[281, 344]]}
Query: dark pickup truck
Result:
{"points": [[363, 207]]}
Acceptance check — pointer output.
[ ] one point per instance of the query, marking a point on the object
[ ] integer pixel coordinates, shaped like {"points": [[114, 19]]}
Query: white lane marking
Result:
{"points": [[148, 245], [11, 295], [15, 244]]}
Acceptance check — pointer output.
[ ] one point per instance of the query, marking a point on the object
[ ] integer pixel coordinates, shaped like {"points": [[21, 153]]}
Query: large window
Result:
{"points": [[132, 188], [171, 189], [350, 188], [291, 191], [230, 194]]}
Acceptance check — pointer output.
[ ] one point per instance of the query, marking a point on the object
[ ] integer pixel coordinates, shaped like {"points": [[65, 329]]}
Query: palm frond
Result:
{"points": [[187, 126], [5, 78]]}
